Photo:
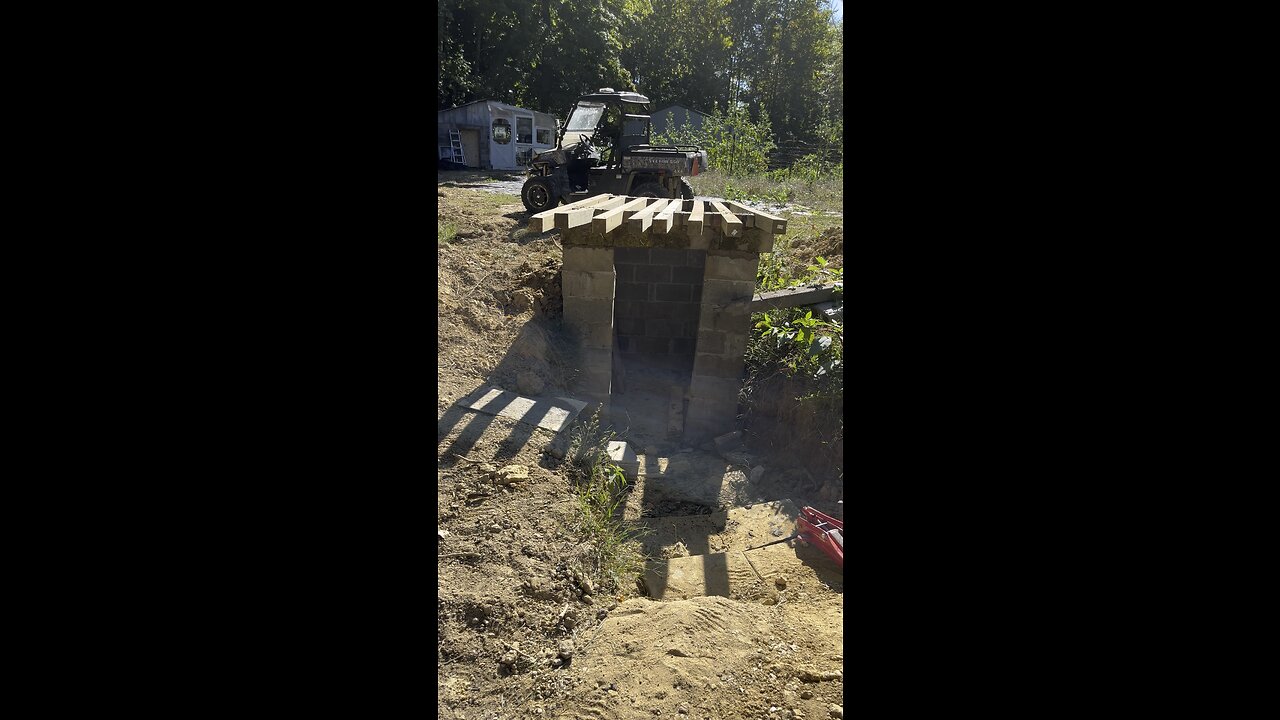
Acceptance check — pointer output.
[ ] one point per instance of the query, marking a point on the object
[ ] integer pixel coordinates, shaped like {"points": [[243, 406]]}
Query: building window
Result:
{"points": [[501, 131], [544, 136], [524, 130]]}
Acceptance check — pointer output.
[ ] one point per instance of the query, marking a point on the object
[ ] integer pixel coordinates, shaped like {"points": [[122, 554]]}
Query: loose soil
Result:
{"points": [[527, 627]]}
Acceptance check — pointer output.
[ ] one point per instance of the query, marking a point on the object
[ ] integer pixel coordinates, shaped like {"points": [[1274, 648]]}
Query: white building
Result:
{"points": [[494, 135]]}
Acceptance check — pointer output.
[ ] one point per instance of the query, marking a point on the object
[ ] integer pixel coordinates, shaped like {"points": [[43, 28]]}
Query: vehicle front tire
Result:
{"points": [[538, 195], [686, 190]]}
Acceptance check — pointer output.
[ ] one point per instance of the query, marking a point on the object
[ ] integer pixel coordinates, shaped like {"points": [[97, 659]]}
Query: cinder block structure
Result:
{"points": [[671, 280]]}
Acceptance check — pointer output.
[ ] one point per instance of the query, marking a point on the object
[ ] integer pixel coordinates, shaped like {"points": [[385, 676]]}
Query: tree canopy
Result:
{"points": [[776, 59]]}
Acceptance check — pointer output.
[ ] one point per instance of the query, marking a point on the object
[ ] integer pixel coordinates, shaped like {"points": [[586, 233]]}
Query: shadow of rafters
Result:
{"points": [[540, 349], [715, 573], [472, 428]]}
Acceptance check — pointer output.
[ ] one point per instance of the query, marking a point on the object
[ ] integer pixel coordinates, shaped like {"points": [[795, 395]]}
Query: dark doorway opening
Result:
{"points": [[657, 305]]}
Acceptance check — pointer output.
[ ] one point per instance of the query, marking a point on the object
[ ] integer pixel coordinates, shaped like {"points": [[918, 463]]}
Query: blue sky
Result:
{"points": [[838, 6]]}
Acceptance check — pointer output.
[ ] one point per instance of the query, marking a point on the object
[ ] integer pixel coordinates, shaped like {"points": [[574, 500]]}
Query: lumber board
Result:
{"points": [[694, 223], [643, 219], [774, 223], [729, 224], [666, 219], [566, 219], [610, 220], [544, 220], [795, 297]]}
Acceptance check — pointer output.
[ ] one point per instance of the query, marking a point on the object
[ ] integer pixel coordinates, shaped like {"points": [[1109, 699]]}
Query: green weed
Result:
{"points": [[600, 487], [826, 194], [445, 232]]}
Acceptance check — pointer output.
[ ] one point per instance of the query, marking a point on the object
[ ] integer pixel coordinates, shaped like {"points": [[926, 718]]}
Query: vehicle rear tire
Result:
{"points": [[686, 190], [649, 189], [538, 195]]}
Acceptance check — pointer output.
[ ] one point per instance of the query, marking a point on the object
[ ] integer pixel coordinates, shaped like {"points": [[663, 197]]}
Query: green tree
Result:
{"points": [[735, 144], [776, 61], [799, 42]]}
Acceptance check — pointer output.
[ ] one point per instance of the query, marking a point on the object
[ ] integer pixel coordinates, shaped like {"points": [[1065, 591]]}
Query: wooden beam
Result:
{"points": [[643, 219], [545, 219], [694, 224], [773, 223], [610, 220], [795, 297], [730, 224], [666, 219], [566, 219]]}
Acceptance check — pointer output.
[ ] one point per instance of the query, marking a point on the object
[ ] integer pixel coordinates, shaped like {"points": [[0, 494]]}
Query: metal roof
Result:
{"points": [[499, 105], [624, 96]]}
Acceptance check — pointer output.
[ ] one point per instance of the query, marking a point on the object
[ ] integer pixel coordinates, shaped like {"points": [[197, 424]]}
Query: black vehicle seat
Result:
{"points": [[626, 142]]}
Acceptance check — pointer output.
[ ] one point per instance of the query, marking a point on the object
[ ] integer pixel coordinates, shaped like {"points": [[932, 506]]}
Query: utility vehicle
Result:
{"points": [[604, 148]]}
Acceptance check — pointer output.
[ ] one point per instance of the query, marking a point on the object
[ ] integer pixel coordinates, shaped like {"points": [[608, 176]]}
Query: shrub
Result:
{"points": [[735, 145]]}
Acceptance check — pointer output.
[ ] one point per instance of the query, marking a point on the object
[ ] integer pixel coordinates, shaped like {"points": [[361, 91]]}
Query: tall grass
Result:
{"points": [[600, 487], [445, 232], [823, 194]]}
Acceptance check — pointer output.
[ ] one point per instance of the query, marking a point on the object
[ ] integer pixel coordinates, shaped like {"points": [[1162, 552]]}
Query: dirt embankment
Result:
{"points": [[526, 628]]}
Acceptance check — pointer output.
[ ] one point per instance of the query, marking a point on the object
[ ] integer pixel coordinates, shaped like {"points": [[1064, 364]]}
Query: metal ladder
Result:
{"points": [[455, 142]]}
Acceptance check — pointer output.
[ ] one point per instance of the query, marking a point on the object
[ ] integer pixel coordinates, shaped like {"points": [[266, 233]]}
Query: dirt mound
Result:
{"points": [[829, 244], [493, 278], [526, 627]]}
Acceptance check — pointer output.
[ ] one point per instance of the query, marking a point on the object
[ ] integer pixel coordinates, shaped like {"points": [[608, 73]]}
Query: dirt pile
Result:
{"points": [[828, 244], [527, 628]]}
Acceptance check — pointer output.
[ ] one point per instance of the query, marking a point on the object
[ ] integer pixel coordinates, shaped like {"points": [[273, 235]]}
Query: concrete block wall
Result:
{"points": [[588, 280], [724, 325], [659, 297]]}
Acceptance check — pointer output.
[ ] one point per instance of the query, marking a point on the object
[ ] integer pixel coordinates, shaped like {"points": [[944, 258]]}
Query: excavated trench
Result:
{"points": [[702, 509]]}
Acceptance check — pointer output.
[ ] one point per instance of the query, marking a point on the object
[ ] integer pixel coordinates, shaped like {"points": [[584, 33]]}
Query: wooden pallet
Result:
{"points": [[606, 213]]}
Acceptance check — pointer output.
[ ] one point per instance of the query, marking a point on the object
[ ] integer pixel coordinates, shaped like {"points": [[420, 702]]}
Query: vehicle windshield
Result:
{"points": [[585, 116]]}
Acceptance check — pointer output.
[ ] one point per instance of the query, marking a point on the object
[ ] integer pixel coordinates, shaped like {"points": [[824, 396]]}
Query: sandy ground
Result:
{"points": [[525, 628]]}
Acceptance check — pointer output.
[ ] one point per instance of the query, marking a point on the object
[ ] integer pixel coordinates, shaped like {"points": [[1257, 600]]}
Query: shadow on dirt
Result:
{"points": [[541, 358], [825, 568]]}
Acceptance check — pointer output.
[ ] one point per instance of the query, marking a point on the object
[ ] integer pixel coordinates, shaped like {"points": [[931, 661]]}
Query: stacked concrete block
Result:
{"points": [[681, 293], [724, 325], [624, 457], [659, 294], [588, 281]]}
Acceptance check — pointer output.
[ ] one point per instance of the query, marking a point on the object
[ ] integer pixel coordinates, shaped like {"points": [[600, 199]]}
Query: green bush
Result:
{"points": [[796, 343], [735, 145]]}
